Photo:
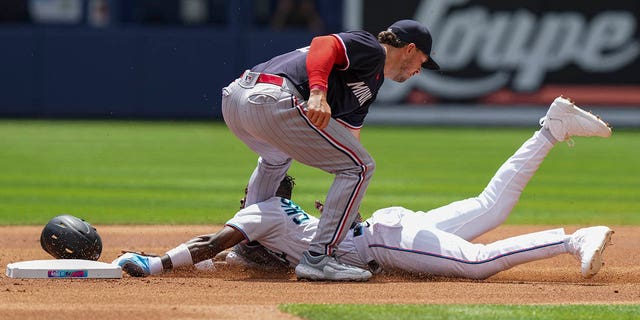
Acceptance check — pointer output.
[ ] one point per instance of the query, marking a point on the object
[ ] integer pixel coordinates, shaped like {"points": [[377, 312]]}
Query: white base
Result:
{"points": [[63, 268]]}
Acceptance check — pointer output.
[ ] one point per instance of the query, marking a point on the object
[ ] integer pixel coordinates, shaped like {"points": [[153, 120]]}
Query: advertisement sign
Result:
{"points": [[56, 11], [519, 51]]}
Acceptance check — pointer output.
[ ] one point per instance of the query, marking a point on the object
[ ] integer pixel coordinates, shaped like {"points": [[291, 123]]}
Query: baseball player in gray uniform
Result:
{"points": [[308, 105], [435, 242]]}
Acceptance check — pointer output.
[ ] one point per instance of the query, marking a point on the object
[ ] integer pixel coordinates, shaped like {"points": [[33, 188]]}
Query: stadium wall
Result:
{"points": [[123, 73], [116, 68]]}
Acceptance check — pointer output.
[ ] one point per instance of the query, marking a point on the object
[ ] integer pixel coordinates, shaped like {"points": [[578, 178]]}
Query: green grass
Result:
{"points": [[462, 312], [119, 172]]}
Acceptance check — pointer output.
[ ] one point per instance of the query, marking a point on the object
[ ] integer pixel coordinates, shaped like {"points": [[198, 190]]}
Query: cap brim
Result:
{"points": [[431, 64]]}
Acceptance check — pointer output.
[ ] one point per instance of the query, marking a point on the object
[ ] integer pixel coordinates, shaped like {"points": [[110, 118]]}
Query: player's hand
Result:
{"points": [[318, 109]]}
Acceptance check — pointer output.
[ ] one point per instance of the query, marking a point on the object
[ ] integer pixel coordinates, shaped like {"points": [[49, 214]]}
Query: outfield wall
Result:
{"points": [[132, 72], [488, 115], [501, 57]]}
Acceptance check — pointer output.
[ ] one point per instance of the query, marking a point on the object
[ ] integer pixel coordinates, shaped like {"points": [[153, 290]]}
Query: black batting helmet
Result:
{"points": [[69, 237]]}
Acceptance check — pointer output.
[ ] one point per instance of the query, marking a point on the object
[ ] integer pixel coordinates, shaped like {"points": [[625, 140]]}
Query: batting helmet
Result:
{"points": [[68, 237]]}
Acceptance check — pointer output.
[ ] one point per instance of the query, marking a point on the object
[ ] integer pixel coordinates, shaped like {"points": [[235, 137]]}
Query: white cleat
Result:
{"points": [[588, 245], [565, 120]]}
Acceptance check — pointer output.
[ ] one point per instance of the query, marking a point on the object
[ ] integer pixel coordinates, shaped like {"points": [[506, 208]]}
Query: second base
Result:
{"points": [[63, 268]]}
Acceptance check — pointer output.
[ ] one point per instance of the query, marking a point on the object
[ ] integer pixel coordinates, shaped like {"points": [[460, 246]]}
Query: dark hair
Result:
{"points": [[390, 38], [286, 187]]}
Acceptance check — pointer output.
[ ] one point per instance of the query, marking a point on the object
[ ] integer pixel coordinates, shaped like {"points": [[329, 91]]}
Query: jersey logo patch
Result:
{"points": [[361, 91]]}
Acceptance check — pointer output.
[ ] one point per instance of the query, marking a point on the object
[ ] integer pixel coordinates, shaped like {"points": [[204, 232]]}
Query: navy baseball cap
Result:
{"points": [[411, 31]]}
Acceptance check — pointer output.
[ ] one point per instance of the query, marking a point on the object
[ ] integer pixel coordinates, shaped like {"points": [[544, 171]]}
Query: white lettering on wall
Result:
{"points": [[516, 47]]}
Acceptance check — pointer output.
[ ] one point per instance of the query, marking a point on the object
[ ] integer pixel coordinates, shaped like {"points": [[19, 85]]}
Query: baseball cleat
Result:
{"points": [[329, 269], [234, 259], [588, 245], [253, 255], [565, 120], [136, 265]]}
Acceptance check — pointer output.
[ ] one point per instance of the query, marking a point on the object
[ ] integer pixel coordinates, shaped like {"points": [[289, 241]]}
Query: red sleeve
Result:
{"points": [[324, 53]]}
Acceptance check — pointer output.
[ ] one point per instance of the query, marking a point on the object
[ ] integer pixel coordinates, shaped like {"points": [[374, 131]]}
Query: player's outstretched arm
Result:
{"points": [[195, 250], [208, 246]]}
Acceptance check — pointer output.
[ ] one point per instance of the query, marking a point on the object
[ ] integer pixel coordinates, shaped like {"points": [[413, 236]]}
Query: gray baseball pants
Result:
{"points": [[270, 119]]}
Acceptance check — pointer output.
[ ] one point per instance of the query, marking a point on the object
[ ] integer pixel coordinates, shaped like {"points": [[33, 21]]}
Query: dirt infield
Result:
{"points": [[242, 294]]}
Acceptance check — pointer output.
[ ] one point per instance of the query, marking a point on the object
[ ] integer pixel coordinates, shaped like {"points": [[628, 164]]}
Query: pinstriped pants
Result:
{"points": [[270, 120]]}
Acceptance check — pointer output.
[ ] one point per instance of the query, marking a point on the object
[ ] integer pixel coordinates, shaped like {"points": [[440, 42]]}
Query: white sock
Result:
{"points": [[180, 256], [567, 246], [547, 134]]}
